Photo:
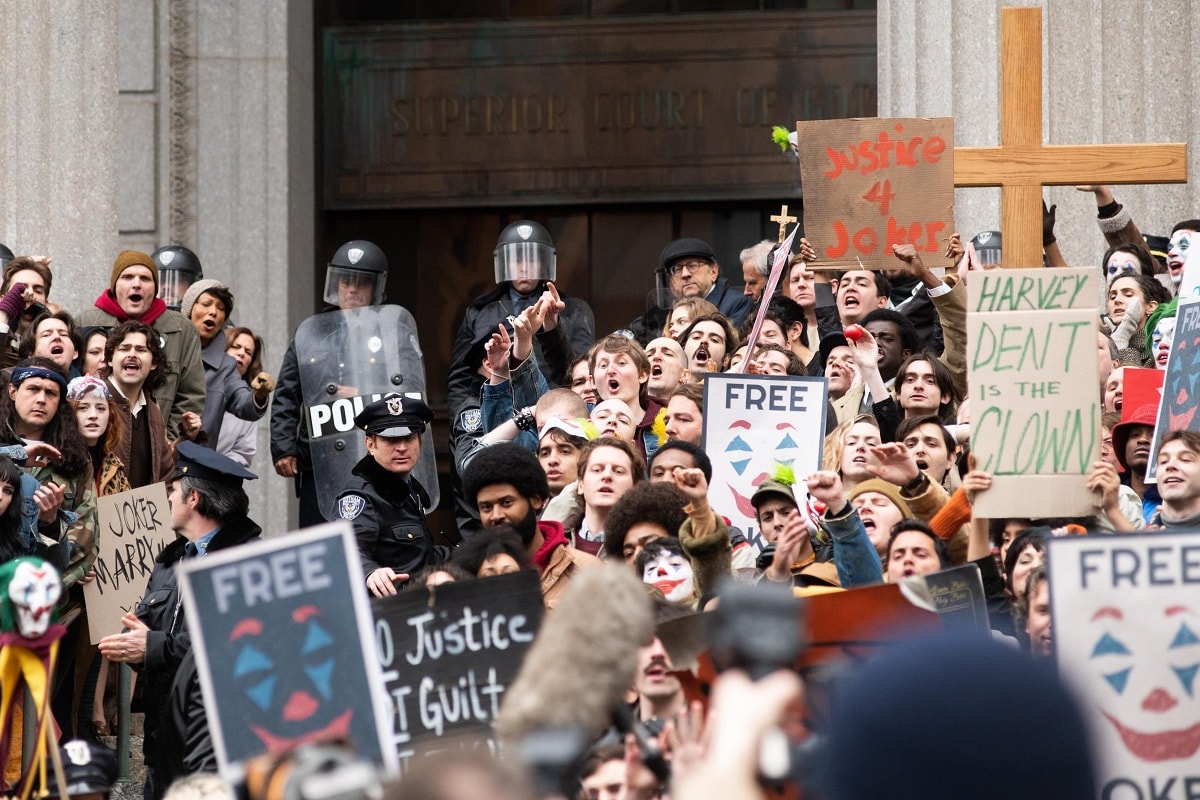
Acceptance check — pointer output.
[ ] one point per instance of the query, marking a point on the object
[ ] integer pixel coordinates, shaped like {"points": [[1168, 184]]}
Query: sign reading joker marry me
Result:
{"points": [[1126, 613], [754, 424]]}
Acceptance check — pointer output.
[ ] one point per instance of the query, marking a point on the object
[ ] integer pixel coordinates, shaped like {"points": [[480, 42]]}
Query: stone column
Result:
{"points": [[217, 155], [58, 126], [1103, 81], [243, 162]]}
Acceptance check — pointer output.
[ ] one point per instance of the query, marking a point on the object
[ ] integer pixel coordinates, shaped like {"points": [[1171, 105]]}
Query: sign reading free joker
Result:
{"points": [[754, 424], [284, 646], [1126, 627]]}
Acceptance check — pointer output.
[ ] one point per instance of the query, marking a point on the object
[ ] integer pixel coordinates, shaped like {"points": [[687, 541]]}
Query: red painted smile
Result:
{"points": [[1162, 746]]}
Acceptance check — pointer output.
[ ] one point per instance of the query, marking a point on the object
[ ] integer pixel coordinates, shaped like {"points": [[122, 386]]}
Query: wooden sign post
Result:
{"points": [[1022, 165]]}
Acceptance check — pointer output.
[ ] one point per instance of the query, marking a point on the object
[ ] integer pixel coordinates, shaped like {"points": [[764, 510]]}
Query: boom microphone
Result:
{"points": [[584, 658]]}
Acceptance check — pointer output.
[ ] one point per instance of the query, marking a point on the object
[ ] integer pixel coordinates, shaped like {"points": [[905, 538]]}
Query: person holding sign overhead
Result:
{"points": [[383, 501]]}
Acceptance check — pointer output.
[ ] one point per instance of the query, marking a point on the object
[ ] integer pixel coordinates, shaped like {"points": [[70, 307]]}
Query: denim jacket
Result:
{"points": [[857, 562]]}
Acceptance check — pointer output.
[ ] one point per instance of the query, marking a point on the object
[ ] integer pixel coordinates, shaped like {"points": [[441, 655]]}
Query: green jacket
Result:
{"points": [[84, 534]]}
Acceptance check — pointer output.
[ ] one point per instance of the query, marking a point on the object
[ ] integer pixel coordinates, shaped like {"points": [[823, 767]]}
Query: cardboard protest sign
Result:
{"points": [[1126, 612], [1034, 378], [448, 653], [132, 528], [752, 425], [873, 183], [281, 631], [1177, 410]]}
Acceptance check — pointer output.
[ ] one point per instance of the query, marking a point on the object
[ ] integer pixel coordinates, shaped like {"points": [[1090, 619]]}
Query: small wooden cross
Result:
{"points": [[784, 220], [1022, 165]]}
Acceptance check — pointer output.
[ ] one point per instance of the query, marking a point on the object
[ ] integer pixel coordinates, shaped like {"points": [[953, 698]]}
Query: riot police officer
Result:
{"points": [[525, 262], [383, 501], [339, 360], [178, 268]]}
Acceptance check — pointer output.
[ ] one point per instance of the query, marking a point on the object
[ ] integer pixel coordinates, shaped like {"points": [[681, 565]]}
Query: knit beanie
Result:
{"points": [[889, 490], [130, 258], [193, 294]]}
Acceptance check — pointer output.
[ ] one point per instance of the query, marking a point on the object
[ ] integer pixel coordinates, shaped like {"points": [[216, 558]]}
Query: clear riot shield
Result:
{"points": [[348, 359]]}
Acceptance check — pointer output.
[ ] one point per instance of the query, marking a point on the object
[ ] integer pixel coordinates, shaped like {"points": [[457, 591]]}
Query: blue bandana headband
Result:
{"points": [[22, 374]]}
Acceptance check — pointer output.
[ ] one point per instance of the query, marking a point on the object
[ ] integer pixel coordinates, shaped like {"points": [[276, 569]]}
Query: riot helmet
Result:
{"points": [[178, 268], [6, 255], [987, 247], [525, 252], [356, 275]]}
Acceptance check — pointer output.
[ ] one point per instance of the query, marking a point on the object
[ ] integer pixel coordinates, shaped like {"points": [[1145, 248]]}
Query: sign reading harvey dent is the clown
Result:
{"points": [[1126, 630]]}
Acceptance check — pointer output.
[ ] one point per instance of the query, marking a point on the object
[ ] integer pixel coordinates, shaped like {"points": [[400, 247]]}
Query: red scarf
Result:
{"points": [[108, 304]]}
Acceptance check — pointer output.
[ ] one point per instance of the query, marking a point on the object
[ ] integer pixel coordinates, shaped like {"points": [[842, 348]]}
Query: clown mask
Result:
{"points": [[34, 590]]}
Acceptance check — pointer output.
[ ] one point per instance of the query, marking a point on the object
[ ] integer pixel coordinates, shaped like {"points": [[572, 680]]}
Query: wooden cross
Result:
{"points": [[1022, 165], [784, 220]]}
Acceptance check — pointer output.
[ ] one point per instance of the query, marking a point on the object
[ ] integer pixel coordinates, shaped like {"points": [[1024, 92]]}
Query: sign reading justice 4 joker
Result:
{"points": [[873, 183], [1126, 613]]}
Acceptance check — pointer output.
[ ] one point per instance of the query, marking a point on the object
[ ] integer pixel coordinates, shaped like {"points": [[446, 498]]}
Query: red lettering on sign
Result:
{"points": [[870, 155]]}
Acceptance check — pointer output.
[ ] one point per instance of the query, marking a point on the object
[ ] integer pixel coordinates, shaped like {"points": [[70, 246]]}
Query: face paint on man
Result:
{"points": [[671, 574]]}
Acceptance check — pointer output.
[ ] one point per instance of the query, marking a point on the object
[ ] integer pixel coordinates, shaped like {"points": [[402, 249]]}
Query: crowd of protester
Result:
{"points": [[572, 447]]}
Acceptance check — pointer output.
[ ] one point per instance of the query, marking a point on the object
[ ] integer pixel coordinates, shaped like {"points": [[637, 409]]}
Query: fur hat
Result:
{"points": [[131, 258], [889, 490], [193, 294]]}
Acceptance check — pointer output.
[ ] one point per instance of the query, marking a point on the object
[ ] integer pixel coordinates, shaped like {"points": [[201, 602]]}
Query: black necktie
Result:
{"points": [[190, 550]]}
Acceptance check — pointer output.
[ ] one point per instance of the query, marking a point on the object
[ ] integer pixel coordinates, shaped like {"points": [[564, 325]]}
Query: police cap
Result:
{"points": [[394, 415], [196, 461]]}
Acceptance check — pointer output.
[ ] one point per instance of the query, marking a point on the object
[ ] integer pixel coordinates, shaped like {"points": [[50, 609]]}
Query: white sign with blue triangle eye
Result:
{"points": [[758, 427], [1123, 618]]}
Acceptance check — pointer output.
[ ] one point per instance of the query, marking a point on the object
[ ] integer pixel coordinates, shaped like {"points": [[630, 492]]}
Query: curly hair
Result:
{"points": [[659, 504], [503, 539], [505, 463], [158, 357]]}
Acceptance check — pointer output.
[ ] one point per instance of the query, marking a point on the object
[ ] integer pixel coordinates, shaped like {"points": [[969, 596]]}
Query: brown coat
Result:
{"points": [[161, 454], [565, 561]]}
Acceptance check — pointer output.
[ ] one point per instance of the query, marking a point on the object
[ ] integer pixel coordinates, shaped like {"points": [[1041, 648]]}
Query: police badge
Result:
{"points": [[395, 405], [350, 506], [471, 420]]}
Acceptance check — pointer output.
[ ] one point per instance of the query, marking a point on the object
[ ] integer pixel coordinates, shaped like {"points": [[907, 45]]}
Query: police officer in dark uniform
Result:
{"points": [[208, 508], [384, 502]]}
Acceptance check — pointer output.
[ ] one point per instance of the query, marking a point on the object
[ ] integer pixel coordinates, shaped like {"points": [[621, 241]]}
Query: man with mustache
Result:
{"points": [[131, 295], [136, 367]]}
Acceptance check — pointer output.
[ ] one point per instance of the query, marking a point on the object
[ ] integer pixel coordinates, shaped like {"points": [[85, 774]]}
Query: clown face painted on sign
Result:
{"points": [[34, 589], [289, 680], [1154, 706], [755, 454]]}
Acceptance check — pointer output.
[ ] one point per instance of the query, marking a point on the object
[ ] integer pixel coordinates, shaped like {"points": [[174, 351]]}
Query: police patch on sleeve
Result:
{"points": [[471, 420], [350, 506]]}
